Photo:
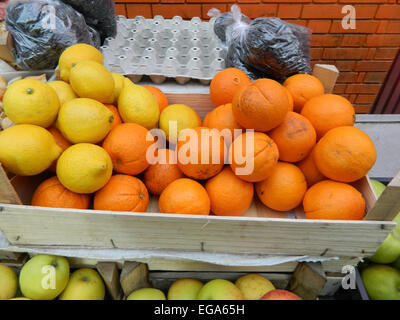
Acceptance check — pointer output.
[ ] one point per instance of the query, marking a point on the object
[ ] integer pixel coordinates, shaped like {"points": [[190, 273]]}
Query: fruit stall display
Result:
{"points": [[77, 173]]}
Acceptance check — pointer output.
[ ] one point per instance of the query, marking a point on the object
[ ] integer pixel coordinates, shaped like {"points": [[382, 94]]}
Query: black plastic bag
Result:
{"points": [[42, 29], [267, 47], [99, 14]]}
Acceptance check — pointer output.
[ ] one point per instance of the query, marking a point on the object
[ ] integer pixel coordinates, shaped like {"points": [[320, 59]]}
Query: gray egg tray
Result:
{"points": [[164, 48]]}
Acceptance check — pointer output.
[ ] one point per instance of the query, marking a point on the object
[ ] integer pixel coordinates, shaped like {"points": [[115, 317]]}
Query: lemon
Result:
{"points": [[27, 150], [84, 120], [84, 168], [180, 115], [136, 104], [30, 101], [90, 79], [64, 91], [74, 54], [119, 81]]}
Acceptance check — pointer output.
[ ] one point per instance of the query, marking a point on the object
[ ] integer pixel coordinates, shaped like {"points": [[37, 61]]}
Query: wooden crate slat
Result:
{"points": [[34, 226]]}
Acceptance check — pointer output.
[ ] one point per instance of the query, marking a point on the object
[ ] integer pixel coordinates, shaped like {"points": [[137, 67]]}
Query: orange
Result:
{"points": [[61, 142], [201, 152], [161, 98], [284, 189], [303, 87], [127, 146], [122, 193], [158, 176], [333, 200], [117, 118], [345, 154], [225, 84], [261, 105], [290, 97], [295, 137], [222, 119], [229, 195], [310, 170], [329, 111], [252, 156], [184, 196], [51, 193]]}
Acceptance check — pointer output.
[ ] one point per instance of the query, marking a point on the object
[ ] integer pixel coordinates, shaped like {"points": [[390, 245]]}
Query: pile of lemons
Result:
{"points": [[76, 106]]}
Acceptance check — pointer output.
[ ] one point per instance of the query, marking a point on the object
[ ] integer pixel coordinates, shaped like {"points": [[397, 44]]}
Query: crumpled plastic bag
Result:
{"points": [[264, 47], [42, 29], [99, 14]]}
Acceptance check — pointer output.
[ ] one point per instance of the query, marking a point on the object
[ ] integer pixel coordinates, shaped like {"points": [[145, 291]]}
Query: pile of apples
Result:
{"points": [[46, 277]]}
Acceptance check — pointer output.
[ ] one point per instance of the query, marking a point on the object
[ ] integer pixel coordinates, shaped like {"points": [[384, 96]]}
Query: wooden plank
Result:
{"points": [[7, 192], [110, 274], [388, 204], [125, 230], [327, 74], [308, 280], [134, 276]]}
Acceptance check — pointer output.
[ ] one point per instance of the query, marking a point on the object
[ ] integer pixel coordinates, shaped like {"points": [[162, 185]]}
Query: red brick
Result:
{"points": [[365, 12], [386, 53], [325, 40], [138, 1], [388, 12], [248, 1], [345, 65], [353, 40], [302, 23], [120, 9], [362, 26], [325, 1], [362, 1], [347, 77], [371, 54], [351, 97], [383, 40], [360, 77], [345, 53], [289, 11], [375, 77], [207, 1], [316, 53], [172, 1], [322, 12], [373, 65], [339, 88], [186, 11], [362, 108], [363, 88], [134, 10], [286, 1], [387, 26], [319, 26], [259, 10], [365, 98], [206, 7]]}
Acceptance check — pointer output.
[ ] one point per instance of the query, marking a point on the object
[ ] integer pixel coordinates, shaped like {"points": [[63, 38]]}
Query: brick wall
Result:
{"points": [[363, 55]]}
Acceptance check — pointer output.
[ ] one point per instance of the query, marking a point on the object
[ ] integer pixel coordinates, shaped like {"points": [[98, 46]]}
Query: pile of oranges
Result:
{"points": [[303, 147]]}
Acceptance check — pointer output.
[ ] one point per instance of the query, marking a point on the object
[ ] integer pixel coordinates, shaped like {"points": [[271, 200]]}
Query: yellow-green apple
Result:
{"points": [[389, 251], [147, 294], [220, 289], [184, 289], [8, 283], [44, 277], [254, 286], [396, 264], [382, 282], [280, 295], [84, 284]]}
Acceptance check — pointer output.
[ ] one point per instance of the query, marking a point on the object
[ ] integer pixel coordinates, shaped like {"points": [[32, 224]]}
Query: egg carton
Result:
{"points": [[164, 48]]}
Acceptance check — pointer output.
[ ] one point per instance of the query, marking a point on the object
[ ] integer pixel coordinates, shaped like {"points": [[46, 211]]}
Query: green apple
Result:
{"points": [[184, 289], [254, 286], [84, 284], [389, 250], [381, 282], [378, 187], [220, 289], [147, 294], [8, 283], [44, 277]]}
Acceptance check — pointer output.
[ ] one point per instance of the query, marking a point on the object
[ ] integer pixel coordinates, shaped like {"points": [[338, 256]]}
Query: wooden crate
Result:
{"points": [[259, 231]]}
